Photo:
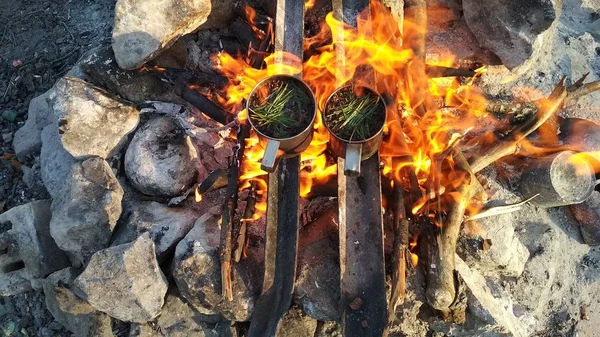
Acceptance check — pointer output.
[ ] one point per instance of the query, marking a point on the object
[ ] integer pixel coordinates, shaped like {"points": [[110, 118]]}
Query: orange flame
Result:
{"points": [[374, 44]]}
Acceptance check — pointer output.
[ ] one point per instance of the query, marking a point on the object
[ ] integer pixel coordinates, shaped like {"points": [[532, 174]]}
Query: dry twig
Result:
{"points": [[509, 144]]}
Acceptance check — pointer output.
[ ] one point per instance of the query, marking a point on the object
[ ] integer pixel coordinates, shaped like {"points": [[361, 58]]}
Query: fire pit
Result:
{"points": [[345, 168]]}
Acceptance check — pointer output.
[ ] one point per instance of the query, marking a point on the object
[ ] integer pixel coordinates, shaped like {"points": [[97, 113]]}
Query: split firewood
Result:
{"points": [[508, 145], [441, 289]]}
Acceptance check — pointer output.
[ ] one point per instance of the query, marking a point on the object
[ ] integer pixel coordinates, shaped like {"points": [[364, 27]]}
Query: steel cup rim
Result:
{"points": [[287, 77], [345, 141]]}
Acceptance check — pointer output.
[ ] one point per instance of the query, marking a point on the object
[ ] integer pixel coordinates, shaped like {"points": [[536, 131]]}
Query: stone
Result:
{"points": [[125, 281], [221, 13], [32, 177], [317, 287], [71, 311], [91, 122], [175, 57], [197, 272], [166, 225], [28, 139], [133, 85], [179, 319], [160, 159], [86, 210], [509, 28], [588, 216], [494, 307], [495, 249], [55, 161], [30, 251], [142, 29], [296, 324]]}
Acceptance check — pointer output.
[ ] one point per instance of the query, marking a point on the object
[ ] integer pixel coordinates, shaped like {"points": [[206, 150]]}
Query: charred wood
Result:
{"points": [[228, 213]]}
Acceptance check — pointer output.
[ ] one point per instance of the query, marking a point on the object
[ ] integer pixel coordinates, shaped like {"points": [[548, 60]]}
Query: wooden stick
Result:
{"points": [[400, 247], [576, 92], [228, 214], [440, 288], [509, 144]]}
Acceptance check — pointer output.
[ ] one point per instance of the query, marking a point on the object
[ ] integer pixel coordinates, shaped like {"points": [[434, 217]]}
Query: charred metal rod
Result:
{"points": [[439, 71], [362, 271], [204, 104], [282, 200], [216, 179]]}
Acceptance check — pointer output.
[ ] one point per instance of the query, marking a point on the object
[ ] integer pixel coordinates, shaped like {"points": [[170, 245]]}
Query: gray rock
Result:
{"points": [[71, 311], [509, 28], [55, 161], [166, 225], [221, 13], [296, 324], [317, 287], [31, 253], [496, 251], [125, 281], [179, 319], [134, 85], [86, 210], [142, 29], [175, 57], [498, 309], [28, 139], [160, 159], [90, 121], [197, 273], [32, 177]]}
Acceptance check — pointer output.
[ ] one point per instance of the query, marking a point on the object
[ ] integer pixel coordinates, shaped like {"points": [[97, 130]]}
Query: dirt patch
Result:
{"points": [[40, 40]]}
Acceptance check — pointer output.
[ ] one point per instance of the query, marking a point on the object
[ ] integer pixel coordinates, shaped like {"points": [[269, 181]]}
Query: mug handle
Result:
{"points": [[271, 156], [352, 160]]}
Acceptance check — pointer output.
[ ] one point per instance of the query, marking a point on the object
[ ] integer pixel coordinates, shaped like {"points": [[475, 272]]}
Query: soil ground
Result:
{"points": [[40, 40]]}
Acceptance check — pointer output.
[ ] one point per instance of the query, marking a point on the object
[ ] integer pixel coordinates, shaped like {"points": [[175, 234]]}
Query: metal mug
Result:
{"points": [[282, 147], [557, 181], [354, 152]]}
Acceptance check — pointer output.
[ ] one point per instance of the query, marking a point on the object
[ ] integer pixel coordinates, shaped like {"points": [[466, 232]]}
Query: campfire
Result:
{"points": [[330, 166]]}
